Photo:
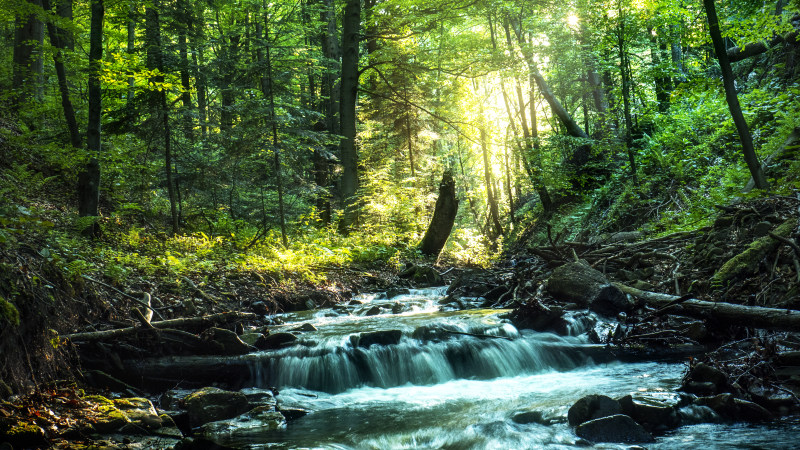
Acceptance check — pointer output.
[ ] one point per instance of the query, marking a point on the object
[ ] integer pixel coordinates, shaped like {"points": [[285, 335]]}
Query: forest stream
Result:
{"points": [[412, 375]]}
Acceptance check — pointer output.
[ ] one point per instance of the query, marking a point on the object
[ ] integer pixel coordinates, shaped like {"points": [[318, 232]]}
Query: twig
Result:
{"points": [[128, 296]]}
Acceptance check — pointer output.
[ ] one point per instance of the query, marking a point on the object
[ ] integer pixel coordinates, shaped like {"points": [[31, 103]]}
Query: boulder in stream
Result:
{"points": [[652, 417], [592, 407], [736, 409], [384, 337], [618, 428], [704, 379], [251, 424], [580, 283], [211, 404]]}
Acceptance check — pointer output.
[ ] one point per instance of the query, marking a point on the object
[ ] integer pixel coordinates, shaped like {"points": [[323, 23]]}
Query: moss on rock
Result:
{"points": [[747, 261]]}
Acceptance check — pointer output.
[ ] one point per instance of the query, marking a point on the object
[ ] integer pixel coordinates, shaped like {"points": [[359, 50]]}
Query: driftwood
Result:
{"points": [[746, 316], [186, 322]]}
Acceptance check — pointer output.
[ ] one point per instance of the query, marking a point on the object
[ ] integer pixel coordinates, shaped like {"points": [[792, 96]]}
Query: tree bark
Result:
{"points": [[725, 313], [27, 57], [733, 100], [276, 153], [349, 95], [155, 60], [89, 178], [56, 39], [444, 216]]}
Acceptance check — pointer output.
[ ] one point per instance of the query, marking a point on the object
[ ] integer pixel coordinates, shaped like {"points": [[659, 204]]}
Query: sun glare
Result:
{"points": [[572, 21]]}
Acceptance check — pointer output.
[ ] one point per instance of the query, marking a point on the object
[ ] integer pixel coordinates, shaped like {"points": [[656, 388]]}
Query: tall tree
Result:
{"points": [[27, 59], [733, 100], [160, 111], [89, 178], [57, 40], [351, 29]]}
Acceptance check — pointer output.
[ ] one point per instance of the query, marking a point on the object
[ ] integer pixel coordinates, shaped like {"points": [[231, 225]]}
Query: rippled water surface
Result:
{"points": [[460, 385]]}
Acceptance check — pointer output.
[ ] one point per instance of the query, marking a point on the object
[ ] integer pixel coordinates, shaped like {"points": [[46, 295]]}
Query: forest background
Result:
{"points": [[148, 142]]}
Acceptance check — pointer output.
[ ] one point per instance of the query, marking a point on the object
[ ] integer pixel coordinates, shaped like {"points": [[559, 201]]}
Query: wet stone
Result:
{"points": [[211, 404], [618, 428], [592, 407], [274, 341]]}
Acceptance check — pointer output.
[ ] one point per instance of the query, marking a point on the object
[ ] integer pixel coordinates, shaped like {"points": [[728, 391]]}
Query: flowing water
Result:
{"points": [[415, 377]]}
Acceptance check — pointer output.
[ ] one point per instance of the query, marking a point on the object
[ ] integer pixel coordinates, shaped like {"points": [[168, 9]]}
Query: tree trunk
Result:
{"points": [[733, 101], [721, 312], [349, 94], [491, 200], [27, 59], [276, 153], [444, 216], [89, 179], [155, 60], [624, 73], [56, 39]]}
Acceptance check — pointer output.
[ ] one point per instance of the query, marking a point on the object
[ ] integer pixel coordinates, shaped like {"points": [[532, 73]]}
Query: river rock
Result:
{"points": [[306, 327], [539, 417], [579, 283], [293, 413], [385, 337], [211, 404], [651, 417], [22, 434], [592, 407], [736, 409], [109, 418], [705, 380], [374, 311], [231, 343], [259, 397], [141, 412], [274, 341], [618, 428], [396, 291], [435, 332], [249, 425]]}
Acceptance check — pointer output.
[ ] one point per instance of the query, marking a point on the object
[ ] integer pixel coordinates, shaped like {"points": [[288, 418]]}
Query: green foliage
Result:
{"points": [[9, 312]]}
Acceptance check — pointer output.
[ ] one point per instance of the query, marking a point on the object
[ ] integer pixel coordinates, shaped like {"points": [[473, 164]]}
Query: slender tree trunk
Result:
{"points": [[131, 50], [276, 153], [347, 116], [155, 60], [61, 73], [746, 138], [491, 200], [27, 59], [186, 83], [89, 179], [196, 32], [626, 91], [330, 106]]}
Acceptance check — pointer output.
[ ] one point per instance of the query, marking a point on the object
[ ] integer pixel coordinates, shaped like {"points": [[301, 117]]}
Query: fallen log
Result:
{"points": [[729, 313], [186, 322]]}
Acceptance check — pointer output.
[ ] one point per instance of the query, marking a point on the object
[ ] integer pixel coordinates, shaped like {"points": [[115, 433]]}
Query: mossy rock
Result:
{"points": [[22, 434], [747, 262], [107, 417]]}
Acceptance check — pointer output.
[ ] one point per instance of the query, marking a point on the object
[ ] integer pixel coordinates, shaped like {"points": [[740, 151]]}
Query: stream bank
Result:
{"points": [[540, 334]]}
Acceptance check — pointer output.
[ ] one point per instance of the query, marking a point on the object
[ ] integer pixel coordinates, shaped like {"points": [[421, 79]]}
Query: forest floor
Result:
{"points": [[749, 256]]}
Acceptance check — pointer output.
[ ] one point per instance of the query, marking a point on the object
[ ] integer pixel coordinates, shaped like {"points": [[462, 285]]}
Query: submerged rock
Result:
{"points": [[618, 428], [251, 424], [212, 404], [385, 337], [592, 407], [736, 409], [539, 417]]}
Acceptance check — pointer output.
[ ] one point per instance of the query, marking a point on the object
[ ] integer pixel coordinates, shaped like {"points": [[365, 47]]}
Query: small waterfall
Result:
{"points": [[430, 355]]}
